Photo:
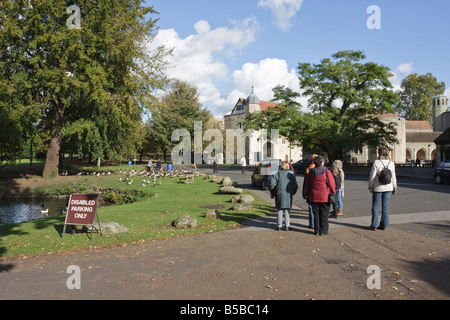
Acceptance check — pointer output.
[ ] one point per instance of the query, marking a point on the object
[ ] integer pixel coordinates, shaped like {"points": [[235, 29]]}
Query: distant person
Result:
{"points": [[243, 165], [158, 165], [380, 190], [216, 167], [150, 164], [311, 214], [319, 184], [338, 174], [283, 201]]}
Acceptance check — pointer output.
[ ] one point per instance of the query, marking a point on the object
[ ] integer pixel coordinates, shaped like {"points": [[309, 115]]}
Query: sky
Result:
{"points": [[227, 47]]}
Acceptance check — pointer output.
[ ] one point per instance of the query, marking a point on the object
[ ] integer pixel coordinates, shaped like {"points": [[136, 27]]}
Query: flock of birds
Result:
{"points": [[148, 177]]}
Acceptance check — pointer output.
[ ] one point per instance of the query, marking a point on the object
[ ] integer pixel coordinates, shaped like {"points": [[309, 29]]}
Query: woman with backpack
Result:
{"points": [[382, 183], [284, 185]]}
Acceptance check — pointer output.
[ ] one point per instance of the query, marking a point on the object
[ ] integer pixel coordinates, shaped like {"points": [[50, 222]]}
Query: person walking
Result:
{"points": [[283, 201], [243, 165], [338, 174], [319, 184], [216, 167], [381, 190], [158, 165], [311, 214]]}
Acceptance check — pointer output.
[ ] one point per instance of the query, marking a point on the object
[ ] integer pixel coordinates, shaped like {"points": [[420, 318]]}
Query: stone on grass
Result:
{"points": [[110, 227], [212, 214], [226, 182], [185, 222], [240, 207], [230, 190], [244, 199], [216, 178]]}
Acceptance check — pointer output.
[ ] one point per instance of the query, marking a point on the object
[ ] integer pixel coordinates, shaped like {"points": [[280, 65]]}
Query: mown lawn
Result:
{"points": [[150, 217]]}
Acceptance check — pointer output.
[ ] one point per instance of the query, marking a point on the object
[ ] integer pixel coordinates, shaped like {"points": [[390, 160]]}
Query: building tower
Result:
{"points": [[253, 102], [439, 108]]}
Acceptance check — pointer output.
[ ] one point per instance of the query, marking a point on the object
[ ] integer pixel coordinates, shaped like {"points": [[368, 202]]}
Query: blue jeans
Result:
{"points": [[339, 199], [384, 197], [310, 217]]}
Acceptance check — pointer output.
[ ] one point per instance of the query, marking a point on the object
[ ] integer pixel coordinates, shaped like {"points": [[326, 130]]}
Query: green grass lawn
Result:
{"points": [[148, 218]]}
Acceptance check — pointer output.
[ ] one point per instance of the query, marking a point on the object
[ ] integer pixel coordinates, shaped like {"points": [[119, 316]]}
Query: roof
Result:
{"points": [[422, 136], [418, 125], [253, 98], [264, 105], [444, 137]]}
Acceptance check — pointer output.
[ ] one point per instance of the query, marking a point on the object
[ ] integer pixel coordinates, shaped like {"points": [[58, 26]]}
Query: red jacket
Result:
{"points": [[317, 189]]}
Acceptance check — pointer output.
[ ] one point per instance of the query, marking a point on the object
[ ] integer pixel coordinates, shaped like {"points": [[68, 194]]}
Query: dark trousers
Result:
{"points": [[320, 211]]}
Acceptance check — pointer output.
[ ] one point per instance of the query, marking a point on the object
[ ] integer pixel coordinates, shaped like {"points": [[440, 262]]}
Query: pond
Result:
{"points": [[21, 210]]}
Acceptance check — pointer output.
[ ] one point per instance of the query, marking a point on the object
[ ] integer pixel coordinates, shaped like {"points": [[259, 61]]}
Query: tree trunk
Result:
{"points": [[52, 159]]}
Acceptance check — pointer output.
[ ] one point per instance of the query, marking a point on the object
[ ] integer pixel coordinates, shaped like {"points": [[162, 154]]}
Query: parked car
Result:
{"points": [[263, 172], [301, 166], [442, 172]]}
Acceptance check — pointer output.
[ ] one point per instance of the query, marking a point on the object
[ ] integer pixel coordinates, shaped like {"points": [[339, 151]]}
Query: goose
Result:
{"points": [[44, 212]]}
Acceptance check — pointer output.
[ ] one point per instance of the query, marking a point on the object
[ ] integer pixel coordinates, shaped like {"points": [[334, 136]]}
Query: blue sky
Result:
{"points": [[224, 47]]}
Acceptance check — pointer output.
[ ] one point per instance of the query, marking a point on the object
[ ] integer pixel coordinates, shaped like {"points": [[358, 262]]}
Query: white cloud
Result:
{"points": [[282, 11], [405, 68], [399, 74], [447, 93], [199, 58], [263, 77]]}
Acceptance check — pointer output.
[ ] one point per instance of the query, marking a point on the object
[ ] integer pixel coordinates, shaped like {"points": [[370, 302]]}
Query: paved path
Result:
{"points": [[253, 263]]}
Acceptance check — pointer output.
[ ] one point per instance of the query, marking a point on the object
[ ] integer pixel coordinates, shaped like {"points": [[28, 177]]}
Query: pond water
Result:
{"points": [[21, 210]]}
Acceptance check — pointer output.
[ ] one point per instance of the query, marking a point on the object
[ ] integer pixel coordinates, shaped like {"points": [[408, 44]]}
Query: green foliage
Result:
{"points": [[178, 109], [346, 98], [416, 96], [53, 78]]}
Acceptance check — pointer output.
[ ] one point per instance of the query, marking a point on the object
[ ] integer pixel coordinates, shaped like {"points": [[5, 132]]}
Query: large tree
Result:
{"points": [[179, 108], [346, 97], [81, 66], [285, 116], [416, 96]]}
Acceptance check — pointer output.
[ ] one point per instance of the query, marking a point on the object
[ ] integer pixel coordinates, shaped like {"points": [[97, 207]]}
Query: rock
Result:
{"points": [[230, 190], [216, 178], [110, 227], [226, 182], [244, 199], [212, 214], [240, 207], [184, 222]]}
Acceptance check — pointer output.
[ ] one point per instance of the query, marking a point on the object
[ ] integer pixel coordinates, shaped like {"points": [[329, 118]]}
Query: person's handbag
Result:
{"points": [[276, 191], [332, 198]]}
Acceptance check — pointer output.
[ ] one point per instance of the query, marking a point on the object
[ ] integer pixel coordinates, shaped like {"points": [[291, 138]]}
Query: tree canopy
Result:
{"points": [[78, 70], [416, 96], [345, 95], [179, 108]]}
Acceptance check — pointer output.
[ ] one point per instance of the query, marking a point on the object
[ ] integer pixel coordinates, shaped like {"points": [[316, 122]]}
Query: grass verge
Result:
{"points": [[149, 217]]}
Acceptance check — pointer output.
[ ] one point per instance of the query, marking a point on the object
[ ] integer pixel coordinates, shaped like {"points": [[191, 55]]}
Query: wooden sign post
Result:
{"points": [[82, 210]]}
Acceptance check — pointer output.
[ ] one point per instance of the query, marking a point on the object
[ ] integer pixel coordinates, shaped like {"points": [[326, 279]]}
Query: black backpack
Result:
{"points": [[385, 176]]}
